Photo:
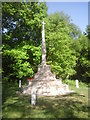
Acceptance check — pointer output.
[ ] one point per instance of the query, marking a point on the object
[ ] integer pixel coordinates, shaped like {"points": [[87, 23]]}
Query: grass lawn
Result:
{"points": [[70, 106]]}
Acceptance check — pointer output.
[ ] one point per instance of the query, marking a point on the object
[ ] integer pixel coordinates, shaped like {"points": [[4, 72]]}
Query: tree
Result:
{"points": [[80, 45], [88, 31], [75, 31], [21, 33], [58, 41], [67, 49], [22, 21]]}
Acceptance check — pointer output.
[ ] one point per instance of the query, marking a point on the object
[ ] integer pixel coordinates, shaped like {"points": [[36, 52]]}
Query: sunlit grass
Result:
{"points": [[70, 106]]}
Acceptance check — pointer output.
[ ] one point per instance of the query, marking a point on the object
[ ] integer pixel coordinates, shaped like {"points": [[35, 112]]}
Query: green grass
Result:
{"points": [[70, 106]]}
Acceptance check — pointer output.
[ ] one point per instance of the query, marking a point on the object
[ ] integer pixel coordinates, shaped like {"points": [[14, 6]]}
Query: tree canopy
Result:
{"points": [[59, 42], [22, 37], [66, 46]]}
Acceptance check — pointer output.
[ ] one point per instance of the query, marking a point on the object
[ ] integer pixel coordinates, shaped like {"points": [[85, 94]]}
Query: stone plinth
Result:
{"points": [[46, 84]]}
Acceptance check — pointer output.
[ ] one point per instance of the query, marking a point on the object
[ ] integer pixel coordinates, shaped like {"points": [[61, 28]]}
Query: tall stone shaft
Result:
{"points": [[43, 45]]}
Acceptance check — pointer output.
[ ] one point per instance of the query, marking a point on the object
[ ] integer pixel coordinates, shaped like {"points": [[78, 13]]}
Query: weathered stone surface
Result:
{"points": [[43, 45], [46, 86]]}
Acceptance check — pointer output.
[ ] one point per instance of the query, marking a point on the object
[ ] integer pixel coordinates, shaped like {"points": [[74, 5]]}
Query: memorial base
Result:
{"points": [[46, 84]]}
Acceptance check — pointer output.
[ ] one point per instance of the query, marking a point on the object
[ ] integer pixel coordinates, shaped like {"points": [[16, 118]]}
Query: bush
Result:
{"points": [[73, 83]]}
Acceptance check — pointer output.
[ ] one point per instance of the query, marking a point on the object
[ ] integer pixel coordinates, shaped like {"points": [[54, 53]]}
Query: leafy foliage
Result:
{"points": [[22, 22], [82, 67], [21, 38], [22, 61], [58, 42], [67, 48]]}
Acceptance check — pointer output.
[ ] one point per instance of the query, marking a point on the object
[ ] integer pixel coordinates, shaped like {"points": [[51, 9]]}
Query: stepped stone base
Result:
{"points": [[46, 84]]}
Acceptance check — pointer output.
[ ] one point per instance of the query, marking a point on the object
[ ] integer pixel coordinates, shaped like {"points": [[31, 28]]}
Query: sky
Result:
{"points": [[78, 11]]}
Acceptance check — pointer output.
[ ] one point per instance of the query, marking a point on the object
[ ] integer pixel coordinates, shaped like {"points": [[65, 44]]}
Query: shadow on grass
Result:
{"points": [[8, 90], [63, 107], [18, 106]]}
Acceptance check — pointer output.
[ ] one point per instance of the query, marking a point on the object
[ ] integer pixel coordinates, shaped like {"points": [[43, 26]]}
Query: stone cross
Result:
{"points": [[43, 45]]}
